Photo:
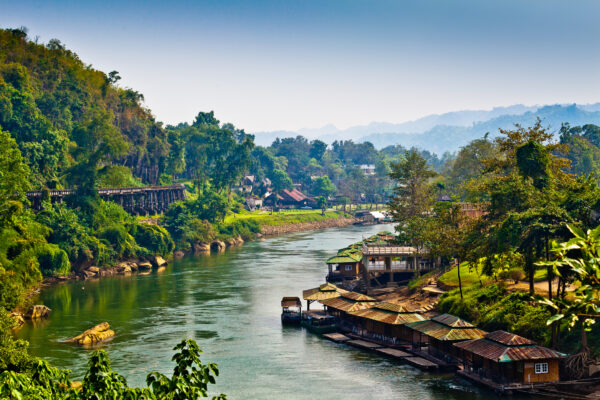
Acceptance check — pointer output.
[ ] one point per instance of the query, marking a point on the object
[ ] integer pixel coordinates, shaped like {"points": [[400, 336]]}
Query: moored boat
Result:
{"points": [[291, 310]]}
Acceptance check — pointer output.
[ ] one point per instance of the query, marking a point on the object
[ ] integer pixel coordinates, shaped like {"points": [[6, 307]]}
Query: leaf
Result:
{"points": [[554, 318]]}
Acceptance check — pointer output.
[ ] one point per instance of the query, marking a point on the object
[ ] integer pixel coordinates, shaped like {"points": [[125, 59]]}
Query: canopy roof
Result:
{"points": [[357, 296], [493, 347], [325, 291], [452, 321], [291, 302], [347, 305], [443, 332], [388, 313]]}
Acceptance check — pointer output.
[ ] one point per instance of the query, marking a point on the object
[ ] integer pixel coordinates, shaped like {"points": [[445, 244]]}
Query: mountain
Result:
{"points": [[443, 138], [449, 131]]}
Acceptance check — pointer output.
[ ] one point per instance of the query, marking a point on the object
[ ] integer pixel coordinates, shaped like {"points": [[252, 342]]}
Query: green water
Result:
{"points": [[229, 303]]}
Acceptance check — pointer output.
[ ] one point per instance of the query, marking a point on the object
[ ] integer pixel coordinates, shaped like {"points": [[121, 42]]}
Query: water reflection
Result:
{"points": [[229, 303]]}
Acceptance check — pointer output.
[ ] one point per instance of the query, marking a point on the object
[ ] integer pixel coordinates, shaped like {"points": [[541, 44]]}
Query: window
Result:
{"points": [[348, 268], [541, 368]]}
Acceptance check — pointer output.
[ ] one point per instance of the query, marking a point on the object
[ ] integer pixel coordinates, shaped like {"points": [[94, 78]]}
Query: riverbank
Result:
{"points": [[268, 230]]}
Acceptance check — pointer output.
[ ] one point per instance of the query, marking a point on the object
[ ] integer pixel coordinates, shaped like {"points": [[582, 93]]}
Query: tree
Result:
{"points": [[279, 181], [412, 199], [579, 256], [317, 149]]}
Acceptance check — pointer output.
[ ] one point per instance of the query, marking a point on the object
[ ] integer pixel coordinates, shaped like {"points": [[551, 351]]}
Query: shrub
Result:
{"points": [[154, 238], [122, 243], [53, 260]]}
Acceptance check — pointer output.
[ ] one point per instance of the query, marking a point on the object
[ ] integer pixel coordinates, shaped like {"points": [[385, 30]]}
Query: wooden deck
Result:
{"points": [[421, 363], [336, 337], [363, 344], [394, 353]]}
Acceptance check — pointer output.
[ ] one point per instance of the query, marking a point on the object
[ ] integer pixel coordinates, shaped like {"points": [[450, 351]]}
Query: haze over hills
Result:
{"points": [[449, 131]]}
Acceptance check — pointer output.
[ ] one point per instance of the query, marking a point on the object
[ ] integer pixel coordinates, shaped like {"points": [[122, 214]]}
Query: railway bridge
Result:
{"points": [[135, 200]]}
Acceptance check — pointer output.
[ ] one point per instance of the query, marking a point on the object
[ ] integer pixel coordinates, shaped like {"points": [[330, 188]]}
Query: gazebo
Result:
{"points": [[323, 292]]}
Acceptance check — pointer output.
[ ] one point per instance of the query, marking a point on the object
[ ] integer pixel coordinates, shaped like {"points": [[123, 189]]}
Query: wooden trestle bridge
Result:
{"points": [[135, 200]]}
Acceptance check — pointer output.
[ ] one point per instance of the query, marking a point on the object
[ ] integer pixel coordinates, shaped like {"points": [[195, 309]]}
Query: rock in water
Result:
{"points": [[38, 311], [158, 261], [144, 266], [96, 334]]}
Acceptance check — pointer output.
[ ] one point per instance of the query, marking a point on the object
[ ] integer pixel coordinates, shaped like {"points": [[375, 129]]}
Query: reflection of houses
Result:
{"points": [[506, 358], [439, 333]]}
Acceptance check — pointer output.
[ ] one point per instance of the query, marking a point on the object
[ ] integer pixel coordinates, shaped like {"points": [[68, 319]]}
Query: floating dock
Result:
{"points": [[394, 353], [336, 337], [363, 344], [421, 363]]}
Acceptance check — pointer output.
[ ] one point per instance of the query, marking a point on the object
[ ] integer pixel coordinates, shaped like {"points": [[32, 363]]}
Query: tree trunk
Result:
{"points": [[549, 271], [584, 342], [459, 280]]}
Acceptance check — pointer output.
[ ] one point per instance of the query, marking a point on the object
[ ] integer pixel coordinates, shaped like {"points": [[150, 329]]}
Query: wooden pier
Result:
{"points": [[336, 337]]}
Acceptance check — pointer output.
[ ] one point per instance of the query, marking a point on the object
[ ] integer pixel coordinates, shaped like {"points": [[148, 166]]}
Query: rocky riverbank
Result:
{"points": [[268, 230]]}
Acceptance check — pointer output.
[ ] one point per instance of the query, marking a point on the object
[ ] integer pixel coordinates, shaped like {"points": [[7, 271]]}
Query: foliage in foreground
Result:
{"points": [[190, 380]]}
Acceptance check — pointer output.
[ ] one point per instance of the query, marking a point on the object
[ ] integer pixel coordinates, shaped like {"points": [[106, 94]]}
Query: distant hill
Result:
{"points": [[449, 131]]}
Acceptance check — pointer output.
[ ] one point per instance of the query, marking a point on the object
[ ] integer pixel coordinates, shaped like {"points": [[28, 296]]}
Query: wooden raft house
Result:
{"points": [[505, 361], [383, 322], [440, 333]]}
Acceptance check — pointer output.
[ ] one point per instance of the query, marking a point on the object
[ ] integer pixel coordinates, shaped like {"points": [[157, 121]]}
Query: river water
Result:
{"points": [[230, 304]]}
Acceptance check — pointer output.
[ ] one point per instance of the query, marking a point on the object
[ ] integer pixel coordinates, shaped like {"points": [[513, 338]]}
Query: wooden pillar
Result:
{"points": [[388, 265]]}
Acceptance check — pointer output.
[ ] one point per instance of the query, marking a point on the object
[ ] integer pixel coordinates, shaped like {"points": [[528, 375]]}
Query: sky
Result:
{"points": [[284, 65]]}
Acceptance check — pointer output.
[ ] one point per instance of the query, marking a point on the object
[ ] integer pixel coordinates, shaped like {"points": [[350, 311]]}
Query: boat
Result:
{"points": [[291, 311], [317, 321]]}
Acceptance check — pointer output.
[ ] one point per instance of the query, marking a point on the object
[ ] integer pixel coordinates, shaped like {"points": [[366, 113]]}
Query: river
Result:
{"points": [[230, 304]]}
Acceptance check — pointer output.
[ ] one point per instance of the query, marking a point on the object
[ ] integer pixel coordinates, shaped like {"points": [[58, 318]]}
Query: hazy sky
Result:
{"points": [[266, 65]]}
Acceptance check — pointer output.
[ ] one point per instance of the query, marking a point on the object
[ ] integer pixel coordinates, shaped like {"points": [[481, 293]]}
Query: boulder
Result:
{"points": [[134, 266], [200, 247], [218, 245], [37, 311], [178, 254], [230, 242], [239, 240], [87, 274], [123, 268], [144, 265], [18, 320], [93, 269], [158, 261], [96, 334]]}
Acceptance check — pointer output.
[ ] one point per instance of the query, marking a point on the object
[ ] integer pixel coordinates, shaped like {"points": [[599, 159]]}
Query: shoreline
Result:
{"points": [[132, 265]]}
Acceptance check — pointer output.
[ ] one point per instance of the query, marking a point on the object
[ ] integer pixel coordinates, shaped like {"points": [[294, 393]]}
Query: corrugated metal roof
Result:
{"points": [[344, 259], [443, 332], [392, 307], [501, 353], [388, 317], [452, 321], [325, 291], [357, 296], [291, 302], [507, 338], [347, 305]]}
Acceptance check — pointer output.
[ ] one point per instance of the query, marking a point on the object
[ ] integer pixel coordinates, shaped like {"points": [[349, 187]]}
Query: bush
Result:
{"points": [[122, 243], [153, 238], [53, 260]]}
